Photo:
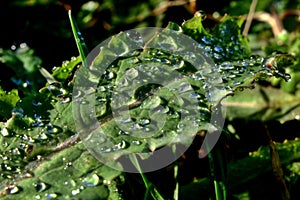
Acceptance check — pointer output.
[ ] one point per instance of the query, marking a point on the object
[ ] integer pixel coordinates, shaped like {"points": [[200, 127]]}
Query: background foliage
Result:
{"points": [[39, 56]]}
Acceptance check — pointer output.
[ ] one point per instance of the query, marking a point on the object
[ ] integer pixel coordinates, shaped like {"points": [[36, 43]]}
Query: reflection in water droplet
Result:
{"points": [[91, 180], [40, 186], [136, 142], [105, 149], [13, 189], [75, 192], [36, 103], [131, 74], [144, 121], [52, 129], [65, 100], [110, 76], [51, 196], [71, 183], [5, 132], [42, 136], [106, 182], [135, 36]]}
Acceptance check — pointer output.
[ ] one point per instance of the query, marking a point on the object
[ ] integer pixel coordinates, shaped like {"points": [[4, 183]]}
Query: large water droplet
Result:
{"points": [[110, 75], [13, 189], [135, 36], [91, 180], [131, 73], [184, 87], [121, 145]]}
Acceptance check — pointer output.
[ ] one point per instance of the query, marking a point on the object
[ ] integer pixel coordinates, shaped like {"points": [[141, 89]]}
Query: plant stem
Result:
{"points": [[217, 171], [150, 188], [81, 46], [277, 169]]}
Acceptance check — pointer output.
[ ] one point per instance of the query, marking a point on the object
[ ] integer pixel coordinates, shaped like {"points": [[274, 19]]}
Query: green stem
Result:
{"points": [[150, 188], [81, 46], [217, 172]]}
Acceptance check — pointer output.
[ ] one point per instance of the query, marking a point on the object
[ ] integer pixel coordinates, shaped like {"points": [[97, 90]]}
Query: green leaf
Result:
{"points": [[8, 101], [263, 103]]}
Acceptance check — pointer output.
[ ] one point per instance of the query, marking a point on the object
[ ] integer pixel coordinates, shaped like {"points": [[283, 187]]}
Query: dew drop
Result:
{"points": [[91, 180], [51, 196], [70, 183], [106, 182], [131, 73], [120, 145], [135, 36], [136, 142], [42, 136], [36, 103], [52, 129], [65, 100], [13, 189], [109, 76], [75, 192], [5, 132], [144, 121], [17, 112], [184, 87], [106, 149], [40, 186]]}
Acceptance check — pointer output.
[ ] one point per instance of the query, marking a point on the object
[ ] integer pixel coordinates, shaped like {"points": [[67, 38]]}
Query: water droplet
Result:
{"points": [[226, 66], [51, 196], [184, 87], [41, 186], [36, 103], [91, 180], [12, 189], [71, 183], [69, 164], [65, 100], [109, 76], [17, 112], [136, 142], [106, 149], [144, 121], [120, 145], [101, 99], [5, 132], [135, 36], [218, 49], [106, 182], [131, 74], [121, 132], [75, 192], [42, 136], [52, 129]]}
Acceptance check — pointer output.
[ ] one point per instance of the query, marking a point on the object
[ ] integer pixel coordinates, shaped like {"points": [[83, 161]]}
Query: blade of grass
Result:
{"points": [[82, 48], [217, 172], [150, 188]]}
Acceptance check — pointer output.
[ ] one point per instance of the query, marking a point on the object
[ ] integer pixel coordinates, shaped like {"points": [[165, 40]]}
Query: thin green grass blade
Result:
{"points": [[149, 186], [82, 48]]}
